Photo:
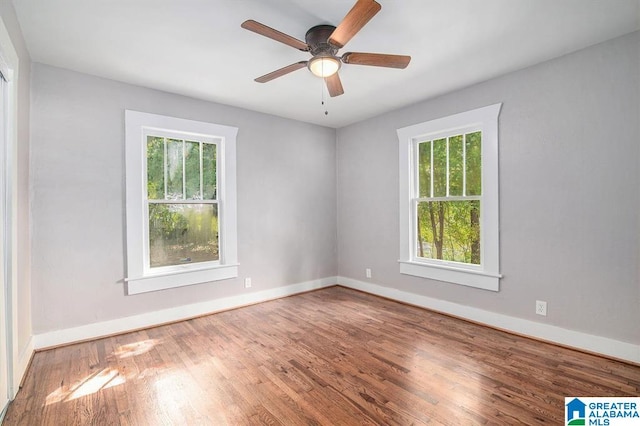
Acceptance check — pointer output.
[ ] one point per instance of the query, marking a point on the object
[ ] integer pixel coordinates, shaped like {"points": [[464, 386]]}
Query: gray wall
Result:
{"points": [[23, 327], [286, 199], [569, 179]]}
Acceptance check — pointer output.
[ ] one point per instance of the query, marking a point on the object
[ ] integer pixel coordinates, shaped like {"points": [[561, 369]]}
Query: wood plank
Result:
{"points": [[333, 356]]}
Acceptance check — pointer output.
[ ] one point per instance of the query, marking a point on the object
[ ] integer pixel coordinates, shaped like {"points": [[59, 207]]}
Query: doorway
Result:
{"points": [[5, 329]]}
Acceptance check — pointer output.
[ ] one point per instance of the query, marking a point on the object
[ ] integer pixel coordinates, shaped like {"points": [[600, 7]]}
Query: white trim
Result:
{"points": [[484, 119], [551, 333], [150, 319], [442, 272], [588, 342], [10, 69], [167, 280], [140, 278]]}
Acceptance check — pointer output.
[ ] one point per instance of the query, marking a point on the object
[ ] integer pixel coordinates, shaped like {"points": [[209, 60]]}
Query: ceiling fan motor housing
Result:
{"points": [[317, 39]]}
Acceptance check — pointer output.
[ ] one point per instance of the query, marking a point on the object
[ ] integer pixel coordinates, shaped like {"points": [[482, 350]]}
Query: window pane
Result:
{"points": [[440, 168], [474, 163], [192, 170], [182, 234], [455, 165], [424, 169], [174, 169], [155, 168], [209, 167], [449, 230]]}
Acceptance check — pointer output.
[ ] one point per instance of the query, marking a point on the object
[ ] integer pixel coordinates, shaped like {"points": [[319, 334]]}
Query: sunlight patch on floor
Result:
{"points": [[91, 384], [134, 349], [172, 392]]}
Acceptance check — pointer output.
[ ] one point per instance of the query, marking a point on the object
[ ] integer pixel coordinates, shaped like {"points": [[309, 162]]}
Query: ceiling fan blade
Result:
{"points": [[282, 71], [376, 59], [273, 34], [334, 85], [358, 16]]}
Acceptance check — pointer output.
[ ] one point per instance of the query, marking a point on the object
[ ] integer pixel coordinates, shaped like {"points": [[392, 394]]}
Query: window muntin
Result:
{"points": [[438, 169], [447, 199]]}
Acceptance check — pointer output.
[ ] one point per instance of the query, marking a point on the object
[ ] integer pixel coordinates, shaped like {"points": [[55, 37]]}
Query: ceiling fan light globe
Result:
{"points": [[324, 66]]}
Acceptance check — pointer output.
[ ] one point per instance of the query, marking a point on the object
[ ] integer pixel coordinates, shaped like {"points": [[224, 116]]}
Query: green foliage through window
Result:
{"points": [[449, 186], [182, 233], [185, 171]]}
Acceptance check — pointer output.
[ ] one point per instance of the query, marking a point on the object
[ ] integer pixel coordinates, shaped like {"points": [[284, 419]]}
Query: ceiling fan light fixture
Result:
{"points": [[324, 65]]}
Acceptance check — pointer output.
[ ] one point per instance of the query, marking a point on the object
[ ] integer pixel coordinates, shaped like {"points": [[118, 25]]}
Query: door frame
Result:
{"points": [[9, 69]]}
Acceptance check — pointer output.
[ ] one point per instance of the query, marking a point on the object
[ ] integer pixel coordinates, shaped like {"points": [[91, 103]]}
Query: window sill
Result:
{"points": [[471, 278], [174, 279]]}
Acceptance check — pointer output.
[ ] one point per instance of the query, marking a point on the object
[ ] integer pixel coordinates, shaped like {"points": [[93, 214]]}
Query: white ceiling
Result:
{"points": [[197, 48]]}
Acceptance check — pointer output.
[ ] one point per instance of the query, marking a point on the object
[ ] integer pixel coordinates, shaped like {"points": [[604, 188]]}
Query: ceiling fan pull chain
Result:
{"points": [[322, 90]]}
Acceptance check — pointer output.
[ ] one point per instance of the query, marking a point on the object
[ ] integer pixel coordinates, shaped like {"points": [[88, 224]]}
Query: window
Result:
{"points": [[449, 199], [181, 205]]}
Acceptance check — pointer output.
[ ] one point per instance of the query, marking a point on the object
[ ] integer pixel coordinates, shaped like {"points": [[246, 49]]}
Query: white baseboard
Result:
{"points": [[150, 319], [602, 345], [610, 347]]}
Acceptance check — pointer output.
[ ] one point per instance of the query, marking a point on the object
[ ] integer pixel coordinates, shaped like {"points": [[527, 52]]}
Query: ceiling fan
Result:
{"points": [[324, 41]]}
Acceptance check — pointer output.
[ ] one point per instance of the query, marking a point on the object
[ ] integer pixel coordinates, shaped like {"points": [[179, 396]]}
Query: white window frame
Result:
{"points": [[487, 274], [140, 277]]}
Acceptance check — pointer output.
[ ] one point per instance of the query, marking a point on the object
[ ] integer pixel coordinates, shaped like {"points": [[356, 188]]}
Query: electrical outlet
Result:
{"points": [[367, 272], [247, 283], [541, 307]]}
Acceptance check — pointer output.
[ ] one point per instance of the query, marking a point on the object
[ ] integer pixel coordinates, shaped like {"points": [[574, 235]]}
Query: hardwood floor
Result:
{"points": [[329, 357]]}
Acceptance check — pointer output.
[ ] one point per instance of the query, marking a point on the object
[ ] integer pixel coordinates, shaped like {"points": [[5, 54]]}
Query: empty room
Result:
{"points": [[306, 212]]}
